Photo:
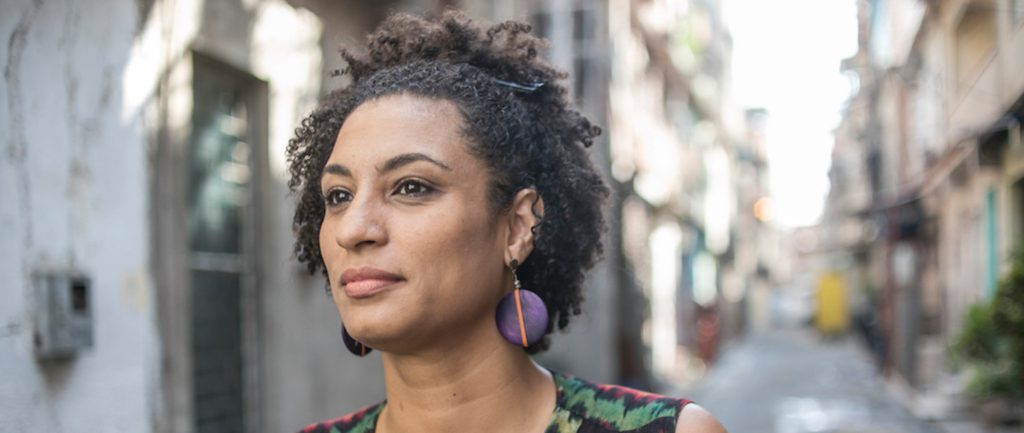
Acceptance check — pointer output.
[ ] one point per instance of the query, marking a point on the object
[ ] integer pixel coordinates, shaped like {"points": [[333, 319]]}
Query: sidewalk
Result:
{"points": [[790, 381]]}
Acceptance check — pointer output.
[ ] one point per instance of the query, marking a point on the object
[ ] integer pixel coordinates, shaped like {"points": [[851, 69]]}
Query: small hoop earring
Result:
{"points": [[522, 317], [357, 348]]}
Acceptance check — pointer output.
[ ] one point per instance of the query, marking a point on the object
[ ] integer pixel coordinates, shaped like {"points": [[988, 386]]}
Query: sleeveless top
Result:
{"points": [[581, 407]]}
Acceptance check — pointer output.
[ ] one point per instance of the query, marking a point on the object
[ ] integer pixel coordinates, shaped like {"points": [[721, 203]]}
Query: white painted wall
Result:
{"points": [[73, 183]]}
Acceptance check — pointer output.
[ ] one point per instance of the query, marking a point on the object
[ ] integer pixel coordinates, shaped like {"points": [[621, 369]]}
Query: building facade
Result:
{"points": [[934, 131]]}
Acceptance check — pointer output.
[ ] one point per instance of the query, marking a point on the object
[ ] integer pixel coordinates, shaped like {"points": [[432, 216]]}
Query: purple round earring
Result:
{"points": [[357, 348], [522, 316]]}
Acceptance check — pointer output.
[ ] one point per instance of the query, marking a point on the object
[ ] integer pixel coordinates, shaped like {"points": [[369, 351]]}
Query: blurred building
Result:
{"points": [[928, 198], [758, 252], [688, 179], [689, 224]]}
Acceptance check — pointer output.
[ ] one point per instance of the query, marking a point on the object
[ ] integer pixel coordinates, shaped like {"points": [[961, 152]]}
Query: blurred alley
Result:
{"points": [[789, 380]]}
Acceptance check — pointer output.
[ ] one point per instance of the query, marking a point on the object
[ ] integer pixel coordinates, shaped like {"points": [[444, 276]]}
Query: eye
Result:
{"points": [[413, 188], [336, 197]]}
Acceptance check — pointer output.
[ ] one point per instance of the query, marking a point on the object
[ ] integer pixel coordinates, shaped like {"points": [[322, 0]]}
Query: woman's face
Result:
{"points": [[413, 252]]}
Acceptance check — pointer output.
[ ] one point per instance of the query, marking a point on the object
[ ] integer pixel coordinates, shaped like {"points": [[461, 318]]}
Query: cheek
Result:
{"points": [[328, 248], [329, 251], [460, 253], [323, 237]]}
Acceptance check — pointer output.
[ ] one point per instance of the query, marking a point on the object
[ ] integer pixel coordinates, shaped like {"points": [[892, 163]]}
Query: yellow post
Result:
{"points": [[832, 315]]}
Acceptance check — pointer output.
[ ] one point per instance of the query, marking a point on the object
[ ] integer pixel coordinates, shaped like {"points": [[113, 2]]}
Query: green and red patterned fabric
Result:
{"points": [[582, 407]]}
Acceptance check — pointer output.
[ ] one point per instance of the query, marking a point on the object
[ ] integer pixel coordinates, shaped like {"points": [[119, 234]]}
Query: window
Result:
{"points": [[583, 47], [221, 234], [572, 34], [541, 22]]}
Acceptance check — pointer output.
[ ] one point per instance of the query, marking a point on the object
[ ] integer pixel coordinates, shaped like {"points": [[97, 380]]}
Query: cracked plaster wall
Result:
{"points": [[72, 187]]}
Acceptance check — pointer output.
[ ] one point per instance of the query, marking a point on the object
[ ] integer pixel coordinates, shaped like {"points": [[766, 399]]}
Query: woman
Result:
{"points": [[448, 199]]}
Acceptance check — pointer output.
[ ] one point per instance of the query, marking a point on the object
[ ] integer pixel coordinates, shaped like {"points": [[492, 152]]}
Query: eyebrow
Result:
{"points": [[409, 158], [337, 169], [390, 165]]}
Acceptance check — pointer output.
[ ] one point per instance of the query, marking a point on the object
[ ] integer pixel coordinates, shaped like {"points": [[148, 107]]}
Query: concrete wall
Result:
{"points": [[73, 182]]}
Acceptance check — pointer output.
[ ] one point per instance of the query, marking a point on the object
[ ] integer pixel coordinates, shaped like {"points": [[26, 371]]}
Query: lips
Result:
{"points": [[367, 281]]}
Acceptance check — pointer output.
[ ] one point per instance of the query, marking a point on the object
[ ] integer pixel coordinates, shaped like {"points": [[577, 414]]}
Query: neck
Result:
{"points": [[488, 385]]}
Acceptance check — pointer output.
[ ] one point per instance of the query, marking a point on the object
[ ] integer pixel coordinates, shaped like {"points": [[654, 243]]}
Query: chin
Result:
{"points": [[378, 331]]}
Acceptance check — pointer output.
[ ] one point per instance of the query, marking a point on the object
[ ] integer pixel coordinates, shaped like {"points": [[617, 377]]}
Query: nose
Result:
{"points": [[362, 225]]}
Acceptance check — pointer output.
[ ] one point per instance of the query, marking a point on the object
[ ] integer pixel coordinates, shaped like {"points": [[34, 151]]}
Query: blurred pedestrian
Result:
{"points": [[447, 196]]}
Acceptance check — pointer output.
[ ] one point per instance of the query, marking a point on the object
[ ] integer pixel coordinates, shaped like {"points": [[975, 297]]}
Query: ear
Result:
{"points": [[526, 212]]}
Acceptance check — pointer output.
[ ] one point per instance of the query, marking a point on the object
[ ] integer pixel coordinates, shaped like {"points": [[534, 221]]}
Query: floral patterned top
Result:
{"points": [[581, 407]]}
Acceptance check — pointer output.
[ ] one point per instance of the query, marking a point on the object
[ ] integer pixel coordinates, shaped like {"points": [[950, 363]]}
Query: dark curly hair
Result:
{"points": [[527, 138]]}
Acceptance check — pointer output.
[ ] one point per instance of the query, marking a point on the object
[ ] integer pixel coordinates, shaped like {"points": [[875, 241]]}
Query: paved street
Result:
{"points": [[792, 382]]}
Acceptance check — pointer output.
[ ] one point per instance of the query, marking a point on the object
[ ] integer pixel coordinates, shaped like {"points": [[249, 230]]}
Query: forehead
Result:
{"points": [[395, 124]]}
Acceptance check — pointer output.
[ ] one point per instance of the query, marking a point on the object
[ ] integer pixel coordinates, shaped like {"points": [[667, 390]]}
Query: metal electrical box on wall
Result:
{"points": [[62, 315]]}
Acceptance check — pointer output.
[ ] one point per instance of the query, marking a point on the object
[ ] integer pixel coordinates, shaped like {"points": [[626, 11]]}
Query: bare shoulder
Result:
{"points": [[696, 419]]}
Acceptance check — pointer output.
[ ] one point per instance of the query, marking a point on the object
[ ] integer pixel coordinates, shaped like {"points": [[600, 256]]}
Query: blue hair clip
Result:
{"points": [[525, 88]]}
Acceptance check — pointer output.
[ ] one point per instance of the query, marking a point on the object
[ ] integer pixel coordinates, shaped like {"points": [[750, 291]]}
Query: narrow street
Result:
{"points": [[790, 381]]}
